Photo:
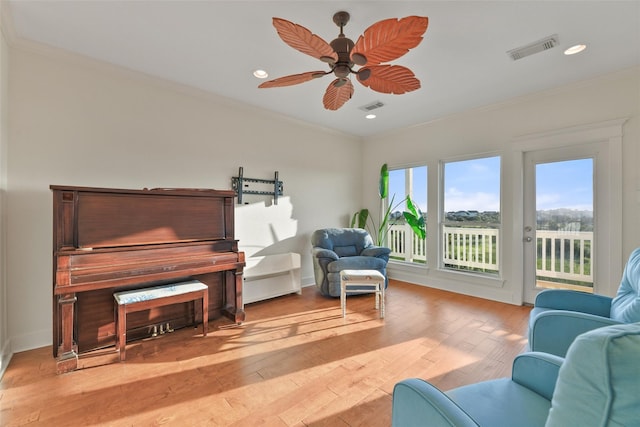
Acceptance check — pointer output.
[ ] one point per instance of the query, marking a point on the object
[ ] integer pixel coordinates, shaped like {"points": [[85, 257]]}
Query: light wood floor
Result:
{"points": [[294, 362]]}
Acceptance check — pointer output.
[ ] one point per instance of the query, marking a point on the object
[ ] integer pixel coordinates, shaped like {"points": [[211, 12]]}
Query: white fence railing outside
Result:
{"points": [[566, 254], [405, 244], [471, 248]]}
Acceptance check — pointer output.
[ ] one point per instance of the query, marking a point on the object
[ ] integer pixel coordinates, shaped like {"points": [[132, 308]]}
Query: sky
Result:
{"points": [[567, 184], [472, 185], [475, 185]]}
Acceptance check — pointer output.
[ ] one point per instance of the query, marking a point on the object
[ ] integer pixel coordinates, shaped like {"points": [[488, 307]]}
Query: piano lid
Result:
{"points": [[109, 218]]}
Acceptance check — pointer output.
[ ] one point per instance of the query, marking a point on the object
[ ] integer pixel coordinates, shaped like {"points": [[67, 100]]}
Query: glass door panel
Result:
{"points": [[559, 222]]}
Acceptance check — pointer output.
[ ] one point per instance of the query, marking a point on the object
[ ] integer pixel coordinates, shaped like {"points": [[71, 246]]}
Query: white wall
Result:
{"points": [[492, 130], [76, 122]]}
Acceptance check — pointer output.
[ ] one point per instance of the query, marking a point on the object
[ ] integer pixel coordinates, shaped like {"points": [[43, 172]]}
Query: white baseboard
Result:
{"points": [[5, 357], [461, 283], [416, 276], [308, 281], [41, 338]]}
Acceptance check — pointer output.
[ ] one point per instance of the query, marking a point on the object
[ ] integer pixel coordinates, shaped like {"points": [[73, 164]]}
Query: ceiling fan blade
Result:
{"points": [[293, 79], [338, 92], [389, 39], [300, 38], [394, 79]]}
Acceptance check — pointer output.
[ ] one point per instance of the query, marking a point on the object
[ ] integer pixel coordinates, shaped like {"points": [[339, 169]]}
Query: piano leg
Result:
{"points": [[68, 355], [233, 307]]}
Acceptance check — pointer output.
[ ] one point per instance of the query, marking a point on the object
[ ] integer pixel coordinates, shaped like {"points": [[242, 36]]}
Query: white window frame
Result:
{"points": [[442, 217]]}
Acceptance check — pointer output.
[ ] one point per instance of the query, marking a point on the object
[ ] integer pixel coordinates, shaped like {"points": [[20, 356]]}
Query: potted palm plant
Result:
{"points": [[413, 216]]}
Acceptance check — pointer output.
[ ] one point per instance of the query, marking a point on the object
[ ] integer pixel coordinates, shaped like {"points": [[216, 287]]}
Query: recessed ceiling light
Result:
{"points": [[261, 74], [575, 49], [370, 116]]}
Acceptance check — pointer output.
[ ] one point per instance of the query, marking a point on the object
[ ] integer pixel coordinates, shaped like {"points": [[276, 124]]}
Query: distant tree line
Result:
{"points": [[553, 219], [565, 219]]}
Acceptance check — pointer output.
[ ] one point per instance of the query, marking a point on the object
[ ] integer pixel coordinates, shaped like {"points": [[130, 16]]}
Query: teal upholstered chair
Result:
{"points": [[337, 249], [597, 385], [559, 315]]}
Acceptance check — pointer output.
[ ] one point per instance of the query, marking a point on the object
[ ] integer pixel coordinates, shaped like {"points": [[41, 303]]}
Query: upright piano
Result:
{"points": [[107, 240]]}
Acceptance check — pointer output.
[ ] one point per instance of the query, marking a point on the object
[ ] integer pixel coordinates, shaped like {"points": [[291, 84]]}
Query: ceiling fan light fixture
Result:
{"points": [[340, 82], [358, 59], [364, 74], [341, 71]]}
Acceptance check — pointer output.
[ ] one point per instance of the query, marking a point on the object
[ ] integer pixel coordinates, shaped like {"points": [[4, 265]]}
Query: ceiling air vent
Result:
{"points": [[372, 106], [535, 47]]}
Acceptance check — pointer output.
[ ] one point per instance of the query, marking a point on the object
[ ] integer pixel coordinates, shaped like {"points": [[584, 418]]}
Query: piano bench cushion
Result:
{"points": [[157, 292]]}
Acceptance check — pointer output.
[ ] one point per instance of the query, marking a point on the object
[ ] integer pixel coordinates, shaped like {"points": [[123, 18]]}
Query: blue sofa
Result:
{"points": [[337, 249], [597, 385], [559, 316]]}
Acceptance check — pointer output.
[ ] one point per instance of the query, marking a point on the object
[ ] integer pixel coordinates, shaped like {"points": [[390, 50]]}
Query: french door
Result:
{"points": [[571, 227], [559, 219]]}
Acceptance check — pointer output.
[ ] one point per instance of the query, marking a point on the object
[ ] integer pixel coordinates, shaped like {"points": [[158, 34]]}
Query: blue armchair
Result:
{"points": [[596, 385], [559, 316], [337, 249]]}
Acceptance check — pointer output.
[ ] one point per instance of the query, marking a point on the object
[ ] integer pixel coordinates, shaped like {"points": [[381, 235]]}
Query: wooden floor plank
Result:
{"points": [[295, 362]]}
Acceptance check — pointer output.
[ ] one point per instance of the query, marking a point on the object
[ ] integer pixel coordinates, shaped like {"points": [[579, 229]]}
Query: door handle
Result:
{"points": [[527, 229]]}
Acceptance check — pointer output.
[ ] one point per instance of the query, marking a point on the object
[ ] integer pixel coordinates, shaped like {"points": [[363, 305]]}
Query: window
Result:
{"points": [[403, 183], [470, 221]]}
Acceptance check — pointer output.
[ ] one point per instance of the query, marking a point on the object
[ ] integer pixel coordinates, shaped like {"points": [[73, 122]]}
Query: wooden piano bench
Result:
{"points": [[144, 299]]}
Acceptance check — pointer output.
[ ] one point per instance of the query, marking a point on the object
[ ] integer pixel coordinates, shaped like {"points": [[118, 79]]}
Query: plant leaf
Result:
{"points": [[389, 39], [359, 219], [336, 96], [415, 219], [416, 225], [303, 40], [383, 187], [394, 79], [411, 206]]}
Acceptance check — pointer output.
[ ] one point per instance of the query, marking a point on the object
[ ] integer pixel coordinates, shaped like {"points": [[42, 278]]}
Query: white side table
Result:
{"points": [[362, 282]]}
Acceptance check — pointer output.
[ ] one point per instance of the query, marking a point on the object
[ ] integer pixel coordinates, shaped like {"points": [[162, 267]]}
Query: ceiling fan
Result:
{"points": [[382, 42]]}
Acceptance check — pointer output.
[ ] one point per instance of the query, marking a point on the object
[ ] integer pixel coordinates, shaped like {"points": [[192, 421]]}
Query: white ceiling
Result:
{"points": [[462, 61]]}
